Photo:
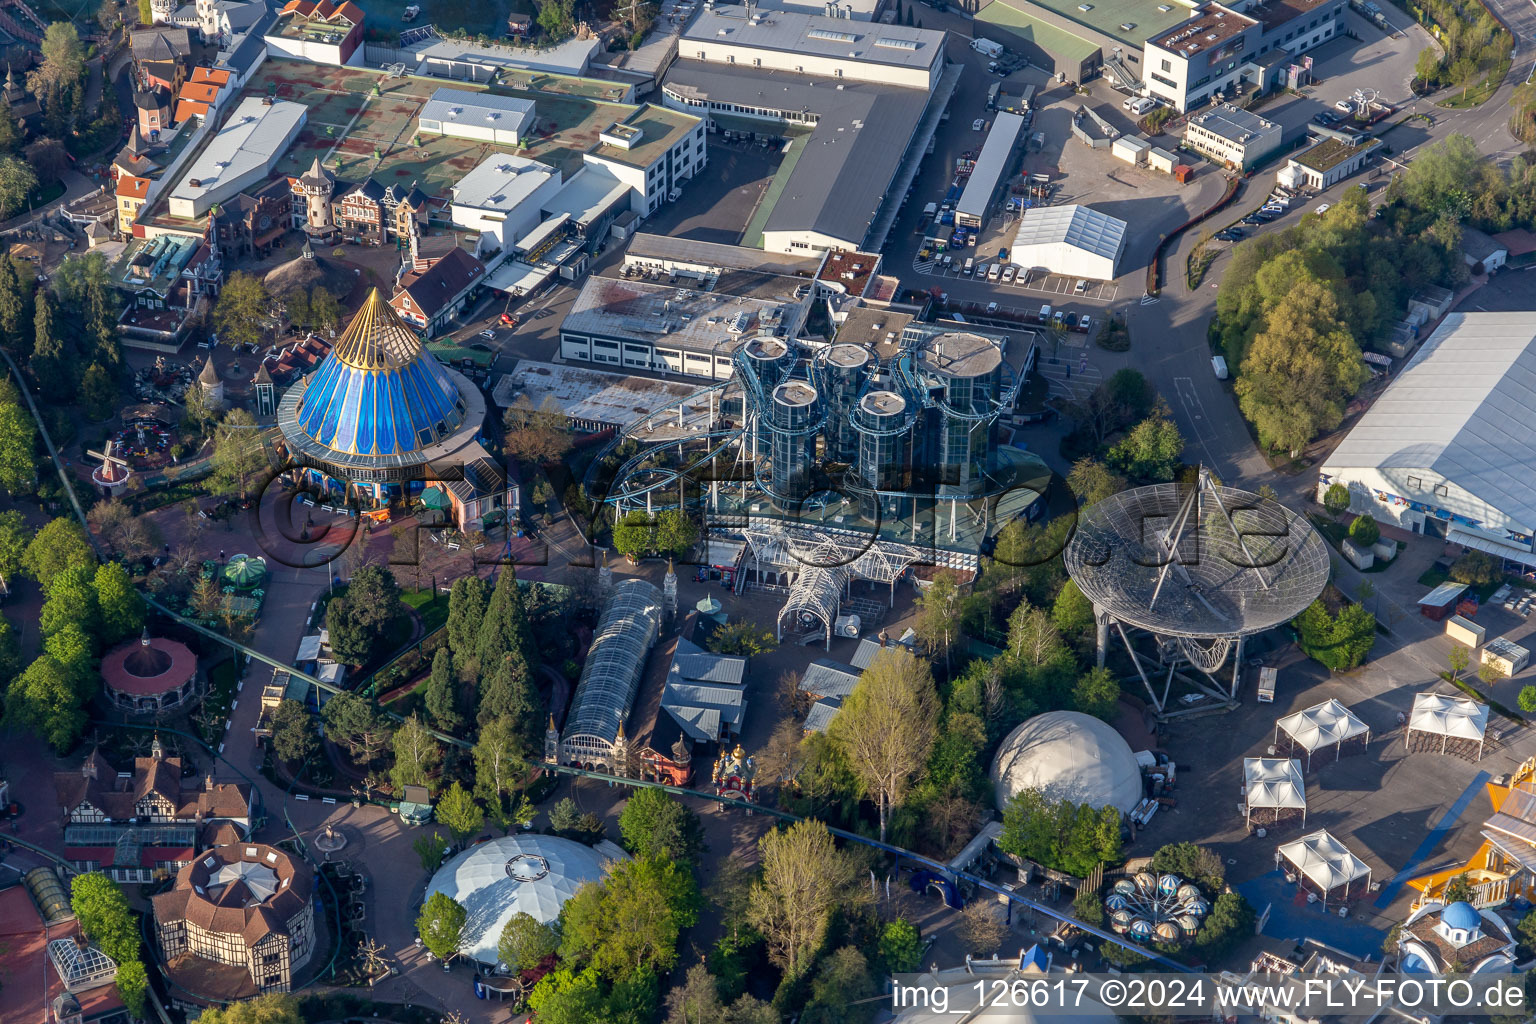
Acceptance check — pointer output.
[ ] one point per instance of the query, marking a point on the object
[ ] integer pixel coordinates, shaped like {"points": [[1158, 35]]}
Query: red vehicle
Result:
{"points": [[508, 320]]}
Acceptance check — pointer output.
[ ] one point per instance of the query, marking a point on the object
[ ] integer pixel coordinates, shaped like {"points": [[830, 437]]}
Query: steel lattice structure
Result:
{"points": [[1199, 567]]}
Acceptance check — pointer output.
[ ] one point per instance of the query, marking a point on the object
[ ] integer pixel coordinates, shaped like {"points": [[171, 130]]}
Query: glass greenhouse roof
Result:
{"points": [[630, 624]]}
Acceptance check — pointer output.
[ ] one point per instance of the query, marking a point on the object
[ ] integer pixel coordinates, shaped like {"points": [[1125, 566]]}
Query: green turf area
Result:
{"points": [[483, 17], [434, 614], [357, 134], [752, 238], [1052, 40]]}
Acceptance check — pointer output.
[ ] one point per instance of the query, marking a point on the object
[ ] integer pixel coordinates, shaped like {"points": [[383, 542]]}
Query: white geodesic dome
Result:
{"points": [[532, 874], [1068, 755]]}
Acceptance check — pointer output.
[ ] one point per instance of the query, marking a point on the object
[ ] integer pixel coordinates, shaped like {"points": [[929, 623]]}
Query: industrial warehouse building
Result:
{"points": [[1448, 450], [1076, 241], [999, 155], [870, 95], [463, 114], [1237, 138], [1185, 53]]}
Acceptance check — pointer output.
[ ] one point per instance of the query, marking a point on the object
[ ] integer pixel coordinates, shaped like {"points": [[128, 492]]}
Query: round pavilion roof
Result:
{"points": [[245, 571], [380, 392], [1067, 755], [532, 874], [150, 670]]}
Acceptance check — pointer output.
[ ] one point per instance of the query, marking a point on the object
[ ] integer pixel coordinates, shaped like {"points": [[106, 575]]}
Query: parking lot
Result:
{"points": [[1150, 202], [718, 203], [1036, 280]]}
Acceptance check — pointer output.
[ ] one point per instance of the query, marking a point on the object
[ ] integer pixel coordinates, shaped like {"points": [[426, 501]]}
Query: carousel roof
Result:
{"points": [[380, 392]]}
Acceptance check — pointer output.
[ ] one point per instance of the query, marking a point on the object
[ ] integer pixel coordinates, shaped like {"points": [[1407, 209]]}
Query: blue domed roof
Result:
{"points": [[1463, 915], [379, 392]]}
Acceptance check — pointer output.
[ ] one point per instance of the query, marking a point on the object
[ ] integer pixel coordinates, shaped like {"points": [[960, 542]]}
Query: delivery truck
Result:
{"points": [[987, 47]]}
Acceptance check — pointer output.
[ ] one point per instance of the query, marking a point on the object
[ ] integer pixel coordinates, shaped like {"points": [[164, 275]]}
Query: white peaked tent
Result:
{"points": [[1274, 784], [1450, 718], [1327, 724], [1326, 865]]}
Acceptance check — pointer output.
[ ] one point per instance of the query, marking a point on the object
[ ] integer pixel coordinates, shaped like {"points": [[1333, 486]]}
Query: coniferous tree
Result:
{"points": [[439, 695], [504, 630], [466, 610], [50, 363]]}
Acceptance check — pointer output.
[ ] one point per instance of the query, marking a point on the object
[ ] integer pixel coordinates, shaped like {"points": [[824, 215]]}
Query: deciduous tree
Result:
{"points": [[43, 701], [499, 763], [122, 609], [58, 546], [457, 809], [238, 457], [417, 755], [355, 723], [887, 727], [242, 307], [525, 941], [630, 922], [805, 879], [441, 925], [656, 824]]}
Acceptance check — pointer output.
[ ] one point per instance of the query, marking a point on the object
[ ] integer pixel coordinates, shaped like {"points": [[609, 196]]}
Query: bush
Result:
{"points": [[1475, 568], [1364, 531], [1339, 643], [1527, 699], [1336, 499]]}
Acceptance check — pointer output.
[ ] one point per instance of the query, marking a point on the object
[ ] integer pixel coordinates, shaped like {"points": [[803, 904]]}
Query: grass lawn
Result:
{"points": [[434, 614]]}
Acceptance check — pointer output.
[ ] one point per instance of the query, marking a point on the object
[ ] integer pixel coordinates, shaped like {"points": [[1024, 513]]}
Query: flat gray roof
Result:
{"points": [[1081, 226], [255, 135], [1460, 408], [591, 395], [1231, 123], [482, 109], [837, 183], [988, 170], [502, 182], [671, 317], [589, 193], [720, 256], [820, 36]]}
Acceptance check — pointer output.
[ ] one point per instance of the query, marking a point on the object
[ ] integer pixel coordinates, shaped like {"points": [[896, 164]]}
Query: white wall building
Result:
{"points": [[1238, 138], [816, 45], [1076, 241], [653, 151], [1449, 449], [241, 154], [466, 114], [501, 199]]}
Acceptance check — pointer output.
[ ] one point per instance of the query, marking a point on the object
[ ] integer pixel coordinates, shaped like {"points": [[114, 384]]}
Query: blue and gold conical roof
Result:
{"points": [[380, 392]]}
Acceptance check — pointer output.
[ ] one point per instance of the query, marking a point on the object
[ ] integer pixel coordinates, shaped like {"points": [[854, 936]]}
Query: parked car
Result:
{"points": [[1143, 105], [1069, 321], [1085, 324], [1002, 255], [1322, 207], [510, 320], [991, 307], [1009, 272], [1080, 288], [1344, 107], [976, 124], [1045, 314], [488, 334]]}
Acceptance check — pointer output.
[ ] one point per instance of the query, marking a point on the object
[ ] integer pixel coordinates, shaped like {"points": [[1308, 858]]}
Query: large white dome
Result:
{"points": [[1068, 755], [533, 874]]}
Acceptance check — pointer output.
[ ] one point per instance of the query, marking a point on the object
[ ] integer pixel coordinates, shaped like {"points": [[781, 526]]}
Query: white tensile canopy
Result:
{"points": [[1327, 724], [1326, 864], [1450, 718], [1274, 783]]}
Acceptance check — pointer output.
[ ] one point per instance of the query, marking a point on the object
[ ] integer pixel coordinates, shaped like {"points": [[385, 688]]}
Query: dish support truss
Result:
{"points": [[1205, 656], [825, 564], [1195, 662]]}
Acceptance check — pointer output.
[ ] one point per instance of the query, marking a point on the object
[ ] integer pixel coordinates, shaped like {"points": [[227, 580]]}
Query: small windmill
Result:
{"points": [[113, 473]]}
